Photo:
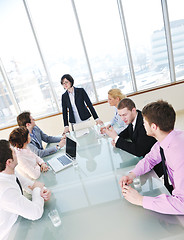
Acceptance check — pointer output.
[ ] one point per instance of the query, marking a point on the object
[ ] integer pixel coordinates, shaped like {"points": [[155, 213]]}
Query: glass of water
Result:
{"points": [[54, 217], [137, 183]]}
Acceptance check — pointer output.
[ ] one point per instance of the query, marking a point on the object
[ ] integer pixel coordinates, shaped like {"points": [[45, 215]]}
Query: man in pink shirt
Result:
{"points": [[159, 119]]}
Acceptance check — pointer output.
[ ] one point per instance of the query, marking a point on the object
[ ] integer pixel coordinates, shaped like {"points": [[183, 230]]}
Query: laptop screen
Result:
{"points": [[71, 147]]}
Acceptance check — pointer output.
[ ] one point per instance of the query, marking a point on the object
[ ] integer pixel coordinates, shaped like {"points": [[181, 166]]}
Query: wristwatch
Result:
{"points": [[58, 147]]}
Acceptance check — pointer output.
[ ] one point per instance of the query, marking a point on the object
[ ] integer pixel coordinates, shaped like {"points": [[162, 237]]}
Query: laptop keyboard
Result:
{"points": [[64, 160]]}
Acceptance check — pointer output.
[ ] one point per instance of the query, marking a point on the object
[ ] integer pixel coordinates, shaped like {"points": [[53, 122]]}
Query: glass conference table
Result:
{"points": [[89, 201]]}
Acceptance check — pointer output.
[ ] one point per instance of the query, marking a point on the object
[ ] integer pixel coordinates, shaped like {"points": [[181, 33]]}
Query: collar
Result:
{"points": [[166, 141], [134, 121]]}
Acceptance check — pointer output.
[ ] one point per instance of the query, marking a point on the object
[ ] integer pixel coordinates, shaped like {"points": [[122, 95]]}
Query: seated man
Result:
{"points": [[12, 201], [140, 143], [37, 136], [159, 119]]}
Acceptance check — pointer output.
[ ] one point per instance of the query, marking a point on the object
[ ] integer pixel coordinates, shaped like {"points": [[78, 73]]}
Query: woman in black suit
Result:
{"points": [[76, 101]]}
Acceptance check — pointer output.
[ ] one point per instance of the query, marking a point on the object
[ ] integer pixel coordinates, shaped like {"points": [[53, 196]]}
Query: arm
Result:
{"points": [[139, 146], [89, 104], [13, 201], [42, 152], [49, 139], [65, 111]]}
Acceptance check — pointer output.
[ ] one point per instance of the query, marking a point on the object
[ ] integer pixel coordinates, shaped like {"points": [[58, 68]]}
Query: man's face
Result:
{"points": [[126, 115], [32, 124], [148, 128]]}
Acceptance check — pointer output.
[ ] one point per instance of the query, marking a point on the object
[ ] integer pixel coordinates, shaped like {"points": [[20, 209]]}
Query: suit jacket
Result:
{"points": [[81, 100], [140, 143], [36, 146]]}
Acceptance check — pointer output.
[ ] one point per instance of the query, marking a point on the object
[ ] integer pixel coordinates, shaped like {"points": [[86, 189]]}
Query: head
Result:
{"points": [[67, 81], [158, 116], [25, 119], [7, 156], [127, 110], [19, 136], [114, 96]]}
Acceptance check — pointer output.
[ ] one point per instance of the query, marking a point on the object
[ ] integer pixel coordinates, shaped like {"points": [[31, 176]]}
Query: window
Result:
{"points": [[146, 34], [101, 26], [176, 18], [61, 44], [22, 62]]}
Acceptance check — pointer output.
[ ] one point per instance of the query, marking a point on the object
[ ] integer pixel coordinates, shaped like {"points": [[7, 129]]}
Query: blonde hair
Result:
{"points": [[116, 93]]}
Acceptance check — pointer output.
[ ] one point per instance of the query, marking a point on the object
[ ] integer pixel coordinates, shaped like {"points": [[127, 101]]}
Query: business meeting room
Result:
{"points": [[91, 119]]}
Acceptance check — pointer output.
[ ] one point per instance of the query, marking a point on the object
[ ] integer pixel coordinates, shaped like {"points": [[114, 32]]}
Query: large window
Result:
{"points": [[103, 36], [102, 44], [22, 62], [176, 17], [147, 42], [61, 44]]}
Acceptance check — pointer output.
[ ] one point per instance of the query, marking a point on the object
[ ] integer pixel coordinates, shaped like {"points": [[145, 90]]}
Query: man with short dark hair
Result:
{"points": [[37, 136], [12, 201], [140, 143], [159, 120]]}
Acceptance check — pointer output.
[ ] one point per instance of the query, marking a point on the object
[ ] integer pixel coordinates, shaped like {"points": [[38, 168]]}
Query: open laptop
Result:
{"points": [[61, 162]]}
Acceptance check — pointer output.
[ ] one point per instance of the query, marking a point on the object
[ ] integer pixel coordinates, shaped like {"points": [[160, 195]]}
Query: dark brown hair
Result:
{"points": [[18, 137], [161, 113], [5, 154], [23, 118], [126, 103]]}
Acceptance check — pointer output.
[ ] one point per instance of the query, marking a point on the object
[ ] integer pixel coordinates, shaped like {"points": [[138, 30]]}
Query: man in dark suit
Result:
{"points": [[134, 138], [75, 100]]}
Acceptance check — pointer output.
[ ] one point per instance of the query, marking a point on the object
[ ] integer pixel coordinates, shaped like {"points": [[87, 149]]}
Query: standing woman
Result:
{"points": [[76, 101], [114, 97]]}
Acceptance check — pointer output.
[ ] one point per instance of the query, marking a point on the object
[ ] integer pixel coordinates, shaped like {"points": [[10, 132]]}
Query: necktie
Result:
{"points": [[18, 182], [166, 181], [131, 130]]}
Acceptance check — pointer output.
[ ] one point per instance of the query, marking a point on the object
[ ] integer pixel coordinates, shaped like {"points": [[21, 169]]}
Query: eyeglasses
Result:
{"points": [[64, 83]]}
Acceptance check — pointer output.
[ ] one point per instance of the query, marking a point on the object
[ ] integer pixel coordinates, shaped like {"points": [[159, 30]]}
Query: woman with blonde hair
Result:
{"points": [[114, 97], [29, 164]]}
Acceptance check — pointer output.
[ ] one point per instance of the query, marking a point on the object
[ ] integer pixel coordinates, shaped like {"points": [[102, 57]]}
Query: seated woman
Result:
{"points": [[114, 97], [29, 164], [76, 101]]}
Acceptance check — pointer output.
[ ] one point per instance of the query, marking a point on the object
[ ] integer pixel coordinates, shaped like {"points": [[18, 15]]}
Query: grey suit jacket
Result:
{"points": [[37, 147]]}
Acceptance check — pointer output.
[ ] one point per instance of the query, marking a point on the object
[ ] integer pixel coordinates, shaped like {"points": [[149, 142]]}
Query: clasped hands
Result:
{"points": [[109, 130], [129, 193]]}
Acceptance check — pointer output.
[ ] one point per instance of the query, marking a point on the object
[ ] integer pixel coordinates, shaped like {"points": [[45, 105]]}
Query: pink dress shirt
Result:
{"points": [[28, 163], [173, 146]]}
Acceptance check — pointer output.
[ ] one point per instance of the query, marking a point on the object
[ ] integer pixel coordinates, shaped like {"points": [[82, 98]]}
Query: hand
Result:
{"points": [[103, 129], [126, 180], [36, 184], [44, 167], [45, 194], [62, 142], [113, 143], [111, 133], [132, 195], [99, 122], [66, 130]]}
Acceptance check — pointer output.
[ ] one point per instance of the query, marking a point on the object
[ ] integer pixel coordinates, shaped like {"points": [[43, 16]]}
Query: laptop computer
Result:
{"points": [[61, 162]]}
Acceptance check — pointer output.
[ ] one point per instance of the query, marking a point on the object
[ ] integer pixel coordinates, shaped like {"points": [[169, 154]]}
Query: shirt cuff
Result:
{"points": [[147, 202], [116, 139]]}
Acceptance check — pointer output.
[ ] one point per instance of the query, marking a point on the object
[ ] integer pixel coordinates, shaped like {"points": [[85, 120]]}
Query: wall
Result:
{"points": [[173, 94]]}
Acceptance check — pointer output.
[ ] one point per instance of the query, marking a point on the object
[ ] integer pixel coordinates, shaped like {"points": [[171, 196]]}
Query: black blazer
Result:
{"points": [[140, 143], [81, 101]]}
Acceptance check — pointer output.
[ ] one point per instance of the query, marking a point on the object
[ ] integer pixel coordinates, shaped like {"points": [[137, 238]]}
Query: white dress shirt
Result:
{"points": [[13, 203], [75, 111], [28, 163]]}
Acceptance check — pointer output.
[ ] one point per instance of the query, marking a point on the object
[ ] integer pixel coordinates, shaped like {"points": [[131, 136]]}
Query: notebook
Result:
{"points": [[82, 128], [61, 162]]}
